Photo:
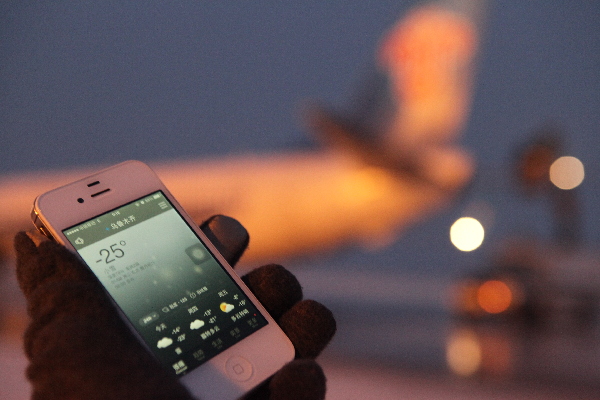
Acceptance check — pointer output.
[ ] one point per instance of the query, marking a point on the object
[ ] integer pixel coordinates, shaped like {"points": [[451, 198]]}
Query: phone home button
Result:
{"points": [[239, 368]]}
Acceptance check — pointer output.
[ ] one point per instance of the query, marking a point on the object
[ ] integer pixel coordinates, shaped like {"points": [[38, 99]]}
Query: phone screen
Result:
{"points": [[168, 284]]}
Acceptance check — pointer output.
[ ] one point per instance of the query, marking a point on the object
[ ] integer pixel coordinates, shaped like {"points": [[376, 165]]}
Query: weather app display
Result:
{"points": [[168, 284]]}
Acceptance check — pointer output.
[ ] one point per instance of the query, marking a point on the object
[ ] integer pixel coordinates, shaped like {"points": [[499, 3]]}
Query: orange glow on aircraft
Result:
{"points": [[428, 55]]}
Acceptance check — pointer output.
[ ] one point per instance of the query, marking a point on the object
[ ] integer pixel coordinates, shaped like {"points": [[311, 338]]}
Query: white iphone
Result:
{"points": [[173, 288]]}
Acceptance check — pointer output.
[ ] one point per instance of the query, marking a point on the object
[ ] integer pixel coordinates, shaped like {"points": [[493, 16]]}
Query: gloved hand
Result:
{"points": [[79, 348]]}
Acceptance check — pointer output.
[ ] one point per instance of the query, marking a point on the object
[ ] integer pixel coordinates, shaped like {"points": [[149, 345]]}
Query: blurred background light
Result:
{"points": [[567, 172], [463, 353], [494, 296], [466, 234]]}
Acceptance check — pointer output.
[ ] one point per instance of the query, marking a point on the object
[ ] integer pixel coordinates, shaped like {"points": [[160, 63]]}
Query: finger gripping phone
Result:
{"points": [[168, 282]]}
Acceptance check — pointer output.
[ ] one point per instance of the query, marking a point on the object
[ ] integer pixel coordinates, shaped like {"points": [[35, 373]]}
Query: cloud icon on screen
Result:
{"points": [[164, 342], [196, 324], [226, 307]]}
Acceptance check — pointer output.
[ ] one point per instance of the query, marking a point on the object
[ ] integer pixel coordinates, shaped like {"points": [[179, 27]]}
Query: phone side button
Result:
{"points": [[239, 369]]}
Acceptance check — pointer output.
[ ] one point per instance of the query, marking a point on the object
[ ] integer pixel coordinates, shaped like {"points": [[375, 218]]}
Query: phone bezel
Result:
{"points": [[267, 349]]}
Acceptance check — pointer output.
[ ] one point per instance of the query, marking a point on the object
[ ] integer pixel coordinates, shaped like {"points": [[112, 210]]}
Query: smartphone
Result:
{"points": [[169, 283]]}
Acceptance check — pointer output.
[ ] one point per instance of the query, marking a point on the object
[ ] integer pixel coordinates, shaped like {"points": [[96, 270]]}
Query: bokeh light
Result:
{"points": [[567, 172], [463, 353], [467, 234], [494, 296]]}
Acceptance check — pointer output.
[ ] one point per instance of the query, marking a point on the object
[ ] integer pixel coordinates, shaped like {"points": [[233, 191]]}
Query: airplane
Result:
{"points": [[383, 166]]}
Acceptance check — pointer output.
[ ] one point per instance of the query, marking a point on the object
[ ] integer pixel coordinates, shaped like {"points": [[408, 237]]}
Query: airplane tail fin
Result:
{"points": [[411, 111]]}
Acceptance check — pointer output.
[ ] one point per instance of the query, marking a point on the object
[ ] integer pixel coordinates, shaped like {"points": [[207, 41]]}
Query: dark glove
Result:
{"points": [[79, 348]]}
